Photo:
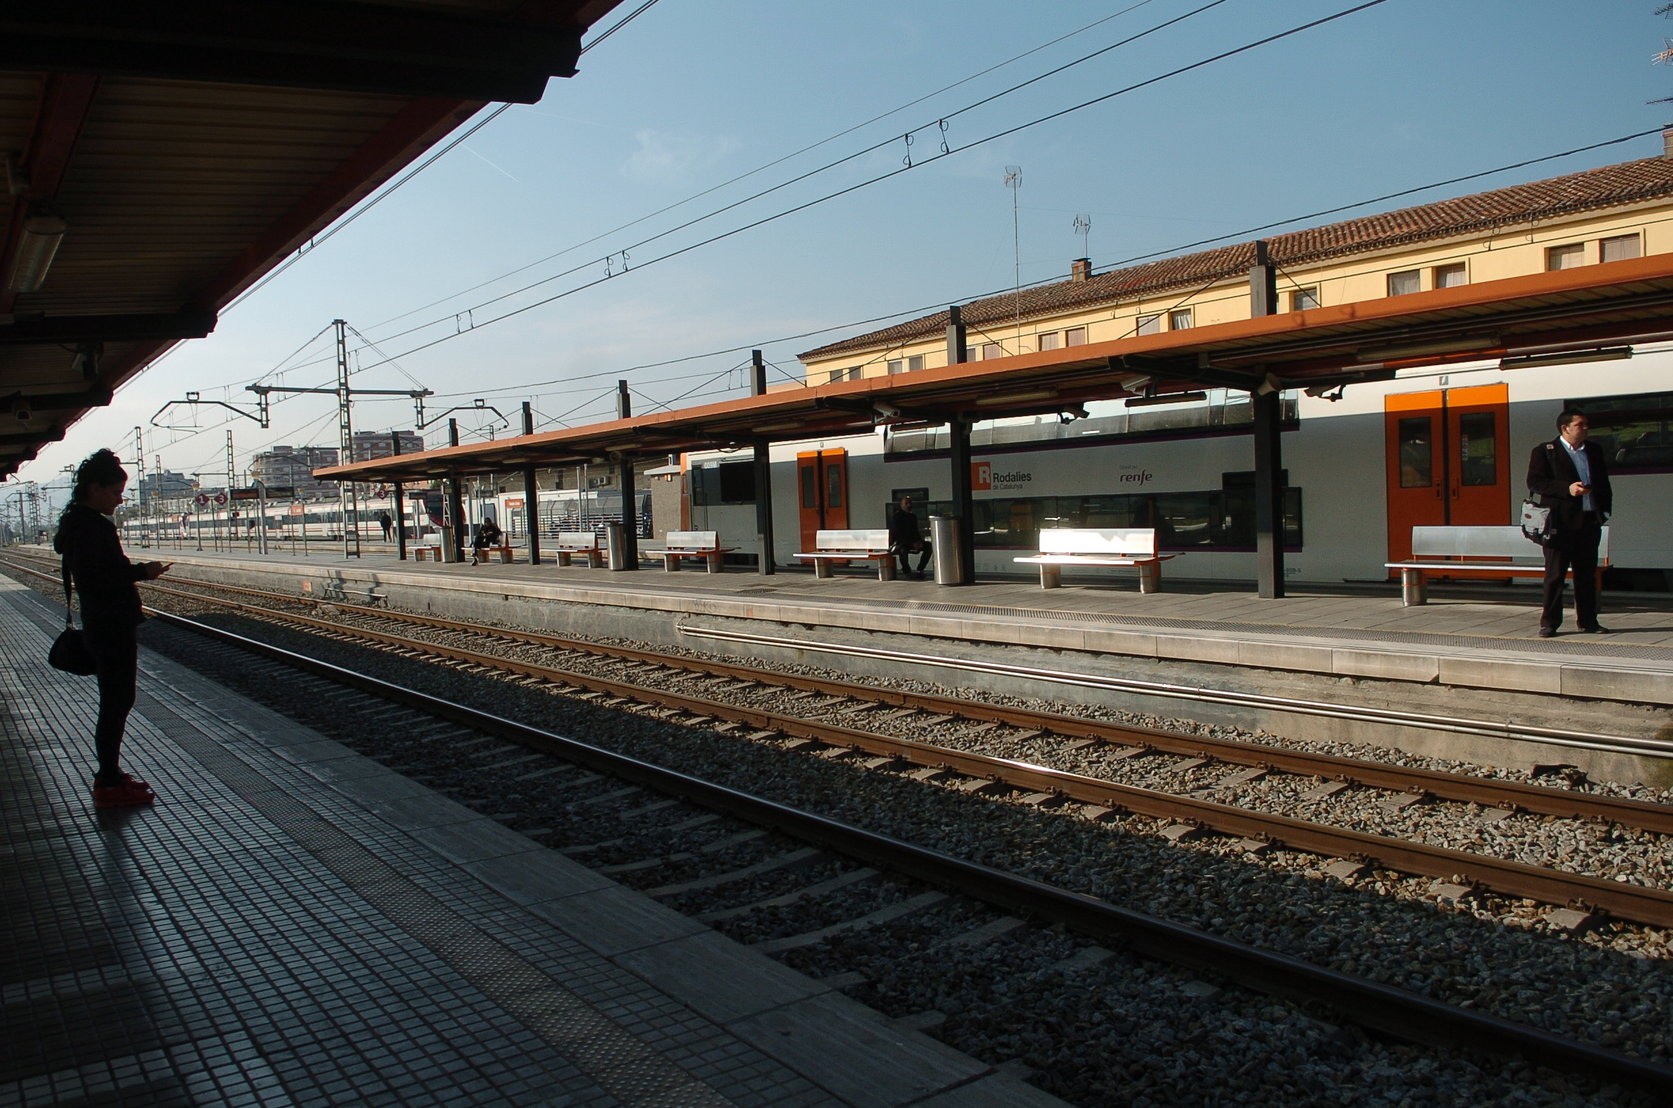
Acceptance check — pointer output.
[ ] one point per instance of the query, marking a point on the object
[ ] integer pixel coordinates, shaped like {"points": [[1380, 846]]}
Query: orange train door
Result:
{"points": [[1446, 461], [821, 493]]}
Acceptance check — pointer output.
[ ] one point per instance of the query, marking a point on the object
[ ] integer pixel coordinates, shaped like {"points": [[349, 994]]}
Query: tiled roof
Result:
{"points": [[1610, 186]]}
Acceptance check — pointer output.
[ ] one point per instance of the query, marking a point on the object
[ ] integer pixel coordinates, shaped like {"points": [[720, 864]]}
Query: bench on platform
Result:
{"points": [[1098, 546], [679, 545], [855, 546], [431, 551], [484, 553], [583, 544], [1475, 552]]}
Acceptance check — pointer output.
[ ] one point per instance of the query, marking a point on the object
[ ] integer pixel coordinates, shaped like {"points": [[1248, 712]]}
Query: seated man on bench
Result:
{"points": [[488, 536], [907, 538]]}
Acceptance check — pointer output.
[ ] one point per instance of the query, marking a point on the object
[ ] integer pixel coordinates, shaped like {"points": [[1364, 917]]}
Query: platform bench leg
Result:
{"points": [[1150, 577], [671, 563], [822, 567], [716, 562], [1413, 588], [1051, 577], [886, 570]]}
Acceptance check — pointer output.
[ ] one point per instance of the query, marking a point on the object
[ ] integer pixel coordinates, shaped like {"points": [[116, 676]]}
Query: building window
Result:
{"points": [[896, 365], [1565, 257], [991, 350], [1450, 276], [852, 373], [906, 365], [1074, 336], [1048, 340], [1405, 282], [1179, 319], [1619, 248], [1149, 325], [1302, 299]]}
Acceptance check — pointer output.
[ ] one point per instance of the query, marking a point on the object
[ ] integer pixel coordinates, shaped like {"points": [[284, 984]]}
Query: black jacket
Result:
{"points": [[1551, 471], [103, 576], [904, 533]]}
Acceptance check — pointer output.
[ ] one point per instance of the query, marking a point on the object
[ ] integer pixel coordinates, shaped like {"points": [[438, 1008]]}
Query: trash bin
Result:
{"points": [[449, 549], [945, 548], [615, 542]]}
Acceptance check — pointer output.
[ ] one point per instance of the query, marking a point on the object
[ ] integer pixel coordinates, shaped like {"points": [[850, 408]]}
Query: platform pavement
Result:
{"points": [[1469, 635], [293, 924]]}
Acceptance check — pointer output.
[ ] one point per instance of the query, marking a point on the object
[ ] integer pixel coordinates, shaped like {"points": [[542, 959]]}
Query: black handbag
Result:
{"points": [[69, 650]]}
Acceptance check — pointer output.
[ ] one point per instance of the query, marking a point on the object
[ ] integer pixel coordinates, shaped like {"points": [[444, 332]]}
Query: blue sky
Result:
{"points": [[691, 96]]}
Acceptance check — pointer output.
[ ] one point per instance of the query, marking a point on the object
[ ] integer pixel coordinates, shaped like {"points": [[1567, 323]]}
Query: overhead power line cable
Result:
{"points": [[948, 152]]}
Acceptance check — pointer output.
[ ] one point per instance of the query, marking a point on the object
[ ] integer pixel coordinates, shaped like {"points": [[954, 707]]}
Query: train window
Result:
{"points": [[1302, 299], [810, 487], [1634, 431], [1451, 276], [1417, 447], [1405, 282], [1566, 256], [1478, 449], [1618, 248]]}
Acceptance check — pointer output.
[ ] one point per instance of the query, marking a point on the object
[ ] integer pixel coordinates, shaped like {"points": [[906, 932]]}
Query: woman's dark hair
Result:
{"points": [[102, 467]]}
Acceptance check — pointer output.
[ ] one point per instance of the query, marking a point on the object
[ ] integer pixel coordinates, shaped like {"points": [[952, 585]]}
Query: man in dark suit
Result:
{"points": [[1570, 476]]}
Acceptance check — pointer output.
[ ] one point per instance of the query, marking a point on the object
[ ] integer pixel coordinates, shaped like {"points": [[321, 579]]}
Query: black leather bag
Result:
{"points": [[70, 654], [69, 650]]}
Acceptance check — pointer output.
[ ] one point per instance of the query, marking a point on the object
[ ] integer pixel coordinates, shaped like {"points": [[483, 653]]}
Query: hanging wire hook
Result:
{"points": [[942, 123], [907, 161]]}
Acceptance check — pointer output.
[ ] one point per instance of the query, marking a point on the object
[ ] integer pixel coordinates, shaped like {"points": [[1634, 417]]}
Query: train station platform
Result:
{"points": [[1470, 634], [293, 924]]}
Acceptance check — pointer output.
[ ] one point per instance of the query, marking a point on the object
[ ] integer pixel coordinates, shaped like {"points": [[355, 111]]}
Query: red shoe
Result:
{"points": [[126, 795]]}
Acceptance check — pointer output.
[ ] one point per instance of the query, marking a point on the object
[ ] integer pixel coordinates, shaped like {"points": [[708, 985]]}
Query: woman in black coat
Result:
{"points": [[105, 580]]}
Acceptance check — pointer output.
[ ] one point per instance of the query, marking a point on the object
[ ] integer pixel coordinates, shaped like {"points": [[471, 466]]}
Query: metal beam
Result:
{"points": [[295, 43], [137, 327]]}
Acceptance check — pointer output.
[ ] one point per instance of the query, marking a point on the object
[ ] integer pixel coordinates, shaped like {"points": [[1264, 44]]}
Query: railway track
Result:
{"points": [[824, 699]]}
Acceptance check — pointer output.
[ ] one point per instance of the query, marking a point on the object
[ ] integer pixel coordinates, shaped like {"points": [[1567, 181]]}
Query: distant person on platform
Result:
{"points": [[105, 580], [387, 524], [1570, 476], [488, 536], [905, 538]]}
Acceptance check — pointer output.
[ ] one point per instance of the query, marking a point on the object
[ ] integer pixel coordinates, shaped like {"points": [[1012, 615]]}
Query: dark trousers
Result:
{"points": [[904, 554], [117, 655], [1576, 550]]}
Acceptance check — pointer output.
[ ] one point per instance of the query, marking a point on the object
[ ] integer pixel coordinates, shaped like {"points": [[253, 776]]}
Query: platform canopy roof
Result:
{"points": [[1565, 314], [161, 158]]}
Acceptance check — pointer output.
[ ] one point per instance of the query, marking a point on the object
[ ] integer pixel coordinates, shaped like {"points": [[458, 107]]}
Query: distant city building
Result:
{"points": [[377, 444], [292, 467], [167, 485]]}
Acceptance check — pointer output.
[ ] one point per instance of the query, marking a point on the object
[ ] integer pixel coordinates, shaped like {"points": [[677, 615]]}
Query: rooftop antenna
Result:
{"points": [[1013, 181], [1083, 228]]}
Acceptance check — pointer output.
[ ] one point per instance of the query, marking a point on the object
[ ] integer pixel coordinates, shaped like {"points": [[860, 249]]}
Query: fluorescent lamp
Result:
{"points": [[1398, 351], [1015, 398], [1168, 398], [36, 248], [1566, 357]]}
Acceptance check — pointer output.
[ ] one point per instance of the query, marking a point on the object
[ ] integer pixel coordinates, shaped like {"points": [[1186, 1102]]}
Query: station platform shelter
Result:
{"points": [[291, 924]]}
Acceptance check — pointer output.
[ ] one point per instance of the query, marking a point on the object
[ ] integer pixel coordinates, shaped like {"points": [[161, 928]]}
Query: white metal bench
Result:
{"points": [[422, 551], [679, 545], [853, 546], [579, 543], [1463, 551], [1098, 546]]}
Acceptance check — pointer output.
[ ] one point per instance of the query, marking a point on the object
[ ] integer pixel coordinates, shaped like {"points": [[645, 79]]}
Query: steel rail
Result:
{"points": [[1618, 744], [1632, 902], [1386, 1008]]}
